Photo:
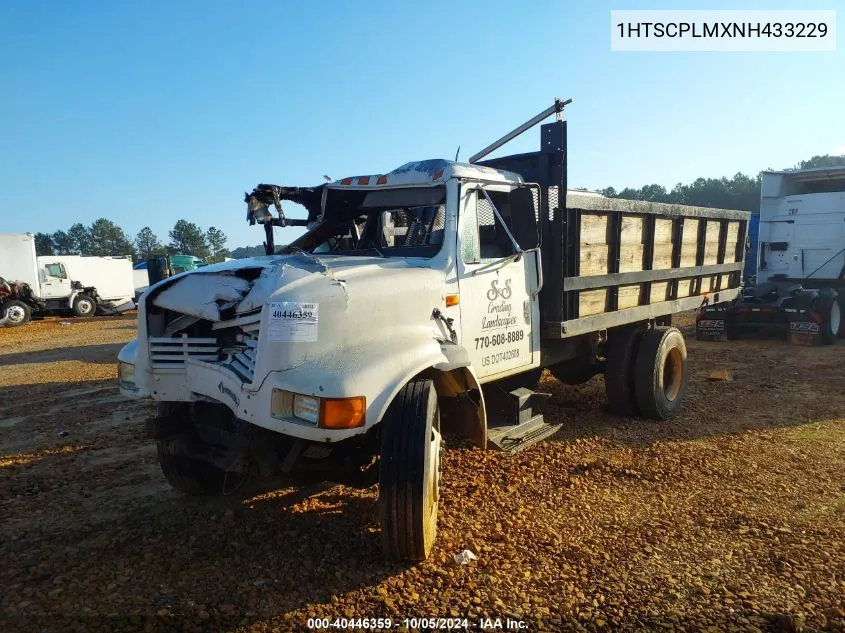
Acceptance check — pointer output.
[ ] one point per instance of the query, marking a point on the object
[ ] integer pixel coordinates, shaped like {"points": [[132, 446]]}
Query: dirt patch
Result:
{"points": [[730, 517]]}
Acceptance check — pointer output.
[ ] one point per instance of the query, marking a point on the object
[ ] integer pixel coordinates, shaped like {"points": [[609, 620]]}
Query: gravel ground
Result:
{"points": [[729, 518]]}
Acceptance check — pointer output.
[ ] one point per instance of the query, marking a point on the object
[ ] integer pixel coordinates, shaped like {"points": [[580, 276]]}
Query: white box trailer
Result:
{"points": [[59, 283], [800, 282], [17, 258]]}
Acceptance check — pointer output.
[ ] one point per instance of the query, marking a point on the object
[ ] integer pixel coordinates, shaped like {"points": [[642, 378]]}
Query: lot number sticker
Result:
{"points": [[293, 321]]}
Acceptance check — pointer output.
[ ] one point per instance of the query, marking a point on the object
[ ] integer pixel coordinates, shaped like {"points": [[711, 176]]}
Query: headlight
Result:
{"points": [[126, 372], [328, 413], [306, 408]]}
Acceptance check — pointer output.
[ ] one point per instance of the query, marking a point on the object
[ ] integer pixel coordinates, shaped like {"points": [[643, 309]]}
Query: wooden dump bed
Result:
{"points": [[608, 262], [627, 260]]}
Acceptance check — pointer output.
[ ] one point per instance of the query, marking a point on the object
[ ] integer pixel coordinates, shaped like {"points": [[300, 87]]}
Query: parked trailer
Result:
{"points": [[421, 301], [800, 265]]}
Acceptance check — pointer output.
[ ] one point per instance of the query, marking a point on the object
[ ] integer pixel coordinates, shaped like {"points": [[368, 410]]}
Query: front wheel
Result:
{"points": [[409, 472], [187, 474], [84, 306], [14, 313]]}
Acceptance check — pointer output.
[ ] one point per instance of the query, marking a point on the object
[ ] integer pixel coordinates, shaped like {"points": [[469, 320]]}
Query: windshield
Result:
{"points": [[386, 222]]}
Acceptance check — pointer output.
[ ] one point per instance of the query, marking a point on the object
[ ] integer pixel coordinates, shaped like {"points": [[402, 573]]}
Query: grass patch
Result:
{"points": [[831, 431]]}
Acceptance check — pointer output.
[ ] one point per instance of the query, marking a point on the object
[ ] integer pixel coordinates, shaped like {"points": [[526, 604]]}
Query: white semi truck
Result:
{"points": [[800, 281], [421, 302], [59, 283]]}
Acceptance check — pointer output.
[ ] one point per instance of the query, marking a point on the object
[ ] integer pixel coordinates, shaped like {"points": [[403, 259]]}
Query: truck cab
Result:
{"points": [[55, 283], [799, 284]]}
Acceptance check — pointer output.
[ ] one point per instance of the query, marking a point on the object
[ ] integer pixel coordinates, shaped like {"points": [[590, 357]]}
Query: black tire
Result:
{"points": [[619, 372], [840, 296], [574, 372], [84, 306], [409, 472], [828, 307], [660, 373], [15, 313], [192, 476]]}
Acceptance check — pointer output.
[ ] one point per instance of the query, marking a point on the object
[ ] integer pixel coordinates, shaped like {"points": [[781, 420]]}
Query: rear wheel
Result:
{"points": [[409, 472], [619, 373], [15, 313], [840, 297], [84, 306], [660, 373], [828, 307]]}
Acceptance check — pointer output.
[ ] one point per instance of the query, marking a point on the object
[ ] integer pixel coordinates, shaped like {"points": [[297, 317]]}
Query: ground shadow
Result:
{"points": [[89, 514], [240, 559]]}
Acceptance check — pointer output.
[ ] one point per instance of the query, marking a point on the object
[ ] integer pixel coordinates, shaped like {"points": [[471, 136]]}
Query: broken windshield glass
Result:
{"points": [[387, 223]]}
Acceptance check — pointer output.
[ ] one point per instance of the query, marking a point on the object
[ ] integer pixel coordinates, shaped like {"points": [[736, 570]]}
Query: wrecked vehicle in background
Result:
{"points": [[421, 302], [16, 299], [80, 285]]}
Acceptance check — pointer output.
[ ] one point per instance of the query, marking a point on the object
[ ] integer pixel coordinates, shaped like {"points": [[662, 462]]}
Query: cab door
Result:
{"points": [[54, 282], [498, 289]]}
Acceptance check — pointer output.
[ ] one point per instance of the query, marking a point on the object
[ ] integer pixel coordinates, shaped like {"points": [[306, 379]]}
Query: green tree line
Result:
{"points": [[742, 192], [103, 237]]}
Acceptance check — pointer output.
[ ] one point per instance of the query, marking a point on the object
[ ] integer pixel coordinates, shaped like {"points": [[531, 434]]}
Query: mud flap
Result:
{"points": [[711, 325], [803, 330]]}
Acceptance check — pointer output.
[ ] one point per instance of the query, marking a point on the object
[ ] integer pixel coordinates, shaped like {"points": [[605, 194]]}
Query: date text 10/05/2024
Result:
{"points": [[416, 624]]}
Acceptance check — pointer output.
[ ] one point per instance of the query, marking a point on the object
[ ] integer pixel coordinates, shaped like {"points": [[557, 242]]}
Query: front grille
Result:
{"points": [[241, 359], [171, 352], [235, 347]]}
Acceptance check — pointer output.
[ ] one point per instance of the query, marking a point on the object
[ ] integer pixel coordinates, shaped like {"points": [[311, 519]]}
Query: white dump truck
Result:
{"points": [[421, 302], [59, 283], [800, 275]]}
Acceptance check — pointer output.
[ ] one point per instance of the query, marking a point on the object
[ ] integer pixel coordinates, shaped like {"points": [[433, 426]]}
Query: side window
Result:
{"points": [[56, 270], [483, 239], [470, 251]]}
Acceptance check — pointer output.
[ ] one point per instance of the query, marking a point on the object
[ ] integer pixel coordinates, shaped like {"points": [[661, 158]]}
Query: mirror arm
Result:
{"points": [[538, 261], [498, 263]]}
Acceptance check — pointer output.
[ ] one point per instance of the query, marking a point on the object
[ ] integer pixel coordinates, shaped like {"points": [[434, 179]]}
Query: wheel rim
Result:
{"points": [[15, 314], [673, 372], [432, 491], [84, 306], [835, 318]]}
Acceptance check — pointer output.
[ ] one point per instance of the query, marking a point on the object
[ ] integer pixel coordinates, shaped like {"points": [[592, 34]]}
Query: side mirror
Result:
{"points": [[524, 218]]}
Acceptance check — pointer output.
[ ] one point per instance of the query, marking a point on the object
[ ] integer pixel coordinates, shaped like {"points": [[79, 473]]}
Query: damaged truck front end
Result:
{"points": [[223, 409], [282, 363]]}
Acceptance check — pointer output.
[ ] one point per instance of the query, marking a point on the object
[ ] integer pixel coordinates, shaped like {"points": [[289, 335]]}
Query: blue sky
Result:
{"points": [[150, 112]]}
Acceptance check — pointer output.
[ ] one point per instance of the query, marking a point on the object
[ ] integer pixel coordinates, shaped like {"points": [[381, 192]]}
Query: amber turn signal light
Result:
{"points": [[452, 300], [343, 413]]}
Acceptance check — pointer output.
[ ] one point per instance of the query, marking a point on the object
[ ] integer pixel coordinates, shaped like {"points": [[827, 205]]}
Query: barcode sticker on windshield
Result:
{"points": [[293, 321]]}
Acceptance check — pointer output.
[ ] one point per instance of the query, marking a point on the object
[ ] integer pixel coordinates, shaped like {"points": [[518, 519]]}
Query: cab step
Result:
{"points": [[512, 422]]}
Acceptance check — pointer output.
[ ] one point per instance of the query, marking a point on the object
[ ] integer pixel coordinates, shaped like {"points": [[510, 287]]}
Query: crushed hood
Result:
{"points": [[247, 284]]}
